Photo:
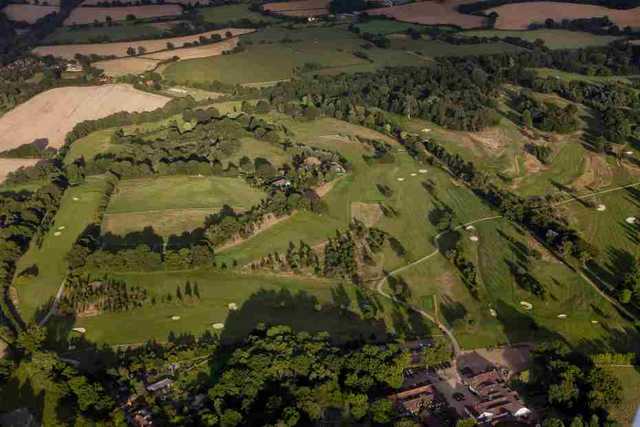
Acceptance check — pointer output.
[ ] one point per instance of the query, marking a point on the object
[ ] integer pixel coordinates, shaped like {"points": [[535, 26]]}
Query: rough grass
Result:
{"points": [[385, 26], [553, 39], [630, 380], [123, 32], [35, 293]]}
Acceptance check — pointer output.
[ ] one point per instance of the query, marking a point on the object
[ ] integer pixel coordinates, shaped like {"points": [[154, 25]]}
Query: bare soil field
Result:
{"points": [[299, 8], [124, 3], [52, 114], [519, 16], [213, 49], [119, 49], [431, 13], [87, 15], [28, 13], [10, 165], [123, 66]]}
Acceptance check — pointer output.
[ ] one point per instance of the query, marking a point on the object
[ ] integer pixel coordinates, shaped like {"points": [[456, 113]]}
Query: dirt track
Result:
{"points": [[519, 16], [53, 113]]}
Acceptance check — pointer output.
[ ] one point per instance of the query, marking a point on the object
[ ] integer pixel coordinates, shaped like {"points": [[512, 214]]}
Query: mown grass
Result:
{"points": [[553, 39], [34, 293]]}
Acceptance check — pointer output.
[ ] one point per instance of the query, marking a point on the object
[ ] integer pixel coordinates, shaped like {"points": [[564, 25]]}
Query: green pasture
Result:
{"points": [[553, 39], [34, 293], [91, 34], [563, 75], [91, 145], [437, 48], [385, 26], [233, 12]]}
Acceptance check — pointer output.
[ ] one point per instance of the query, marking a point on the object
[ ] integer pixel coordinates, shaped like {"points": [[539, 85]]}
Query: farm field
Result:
{"points": [[232, 12], [11, 165], [79, 208], [299, 7], [548, 72], [384, 26], [630, 379], [87, 15], [519, 16], [431, 12], [28, 13], [120, 49], [124, 31], [553, 39], [58, 110]]}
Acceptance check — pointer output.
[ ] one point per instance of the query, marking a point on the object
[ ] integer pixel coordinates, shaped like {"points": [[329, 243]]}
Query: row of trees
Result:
{"points": [[85, 295]]}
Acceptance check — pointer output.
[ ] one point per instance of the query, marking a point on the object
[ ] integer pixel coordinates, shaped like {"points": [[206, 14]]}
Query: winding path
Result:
{"points": [[448, 332]]}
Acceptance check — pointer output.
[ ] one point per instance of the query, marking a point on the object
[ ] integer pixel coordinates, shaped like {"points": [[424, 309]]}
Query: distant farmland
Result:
{"points": [[52, 114], [10, 165], [87, 15], [553, 39], [299, 8], [431, 13], [27, 12], [519, 16]]}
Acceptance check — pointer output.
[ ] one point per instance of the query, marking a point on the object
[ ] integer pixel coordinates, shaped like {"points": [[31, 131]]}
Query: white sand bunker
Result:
{"points": [[75, 199], [414, 174], [595, 322], [61, 227], [631, 220], [426, 130], [562, 316], [79, 330], [629, 153], [474, 238], [175, 317], [422, 171], [217, 325], [526, 305], [493, 313], [601, 208], [400, 179], [470, 227], [57, 233], [233, 306]]}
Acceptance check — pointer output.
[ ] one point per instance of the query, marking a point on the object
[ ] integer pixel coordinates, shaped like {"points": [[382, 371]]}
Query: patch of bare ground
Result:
{"points": [[431, 12], [515, 358], [88, 15], [519, 16], [28, 13], [597, 173], [90, 311], [10, 165], [368, 213], [52, 114], [119, 49]]}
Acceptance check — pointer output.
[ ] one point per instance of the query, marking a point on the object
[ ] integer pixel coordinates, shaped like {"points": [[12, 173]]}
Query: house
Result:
{"points": [[417, 398], [160, 385], [338, 168], [73, 68], [281, 183], [496, 402]]}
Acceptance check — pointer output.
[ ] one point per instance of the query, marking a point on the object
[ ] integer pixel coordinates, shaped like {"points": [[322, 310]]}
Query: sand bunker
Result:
{"points": [[474, 238], [217, 325], [493, 313], [562, 316], [631, 220], [175, 317], [526, 305], [422, 171], [601, 208], [79, 330], [57, 233], [233, 306]]}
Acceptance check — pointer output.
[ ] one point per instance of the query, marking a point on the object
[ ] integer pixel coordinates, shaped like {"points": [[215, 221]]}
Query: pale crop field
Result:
{"points": [[87, 15], [299, 8], [10, 165], [431, 13], [52, 114], [519, 16], [28, 13], [68, 51]]}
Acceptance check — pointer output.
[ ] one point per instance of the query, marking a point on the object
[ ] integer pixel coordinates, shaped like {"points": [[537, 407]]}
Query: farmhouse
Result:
{"points": [[160, 385], [497, 402]]}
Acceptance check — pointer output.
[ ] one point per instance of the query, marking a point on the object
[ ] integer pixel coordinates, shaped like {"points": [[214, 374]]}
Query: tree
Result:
{"points": [[170, 46], [527, 119], [437, 353], [30, 340], [131, 51], [187, 289], [178, 293], [141, 50]]}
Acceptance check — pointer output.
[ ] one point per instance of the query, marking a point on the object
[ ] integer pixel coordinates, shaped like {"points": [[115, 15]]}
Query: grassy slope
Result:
{"points": [[126, 31], [232, 12], [34, 293], [553, 39]]}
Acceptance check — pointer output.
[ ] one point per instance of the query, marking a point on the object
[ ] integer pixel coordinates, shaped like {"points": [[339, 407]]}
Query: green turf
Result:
{"points": [[126, 31], [437, 48], [182, 192], [553, 39], [74, 215], [233, 12]]}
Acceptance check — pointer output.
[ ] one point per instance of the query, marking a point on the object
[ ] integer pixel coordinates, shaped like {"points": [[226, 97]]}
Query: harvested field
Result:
{"points": [[120, 49], [214, 49], [27, 12], [431, 13], [87, 15], [299, 8], [58, 110], [165, 223], [10, 165], [122, 66], [368, 213], [519, 16]]}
